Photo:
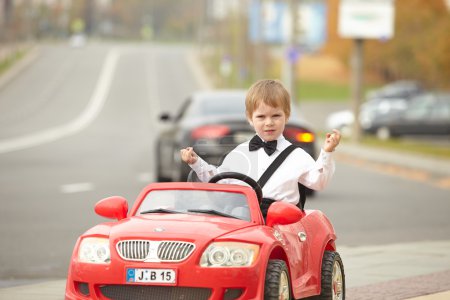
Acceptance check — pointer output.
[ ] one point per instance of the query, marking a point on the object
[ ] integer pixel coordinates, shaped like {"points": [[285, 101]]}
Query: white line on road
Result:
{"points": [[94, 107]]}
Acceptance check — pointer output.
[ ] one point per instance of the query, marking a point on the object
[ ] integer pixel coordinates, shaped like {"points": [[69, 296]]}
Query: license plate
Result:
{"points": [[152, 275]]}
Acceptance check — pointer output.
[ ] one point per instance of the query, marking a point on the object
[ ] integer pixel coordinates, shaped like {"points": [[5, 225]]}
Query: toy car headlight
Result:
{"points": [[229, 254], [94, 250]]}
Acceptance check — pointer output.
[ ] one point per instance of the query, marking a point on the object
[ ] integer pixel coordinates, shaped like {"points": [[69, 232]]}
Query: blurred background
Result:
{"points": [[245, 40], [84, 85], [239, 42]]}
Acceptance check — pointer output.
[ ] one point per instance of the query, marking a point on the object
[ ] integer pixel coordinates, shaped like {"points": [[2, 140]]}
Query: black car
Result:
{"points": [[214, 123], [426, 114]]}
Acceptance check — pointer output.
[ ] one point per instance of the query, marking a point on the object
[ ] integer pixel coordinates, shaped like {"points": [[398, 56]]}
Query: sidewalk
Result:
{"points": [[397, 271], [7, 51]]}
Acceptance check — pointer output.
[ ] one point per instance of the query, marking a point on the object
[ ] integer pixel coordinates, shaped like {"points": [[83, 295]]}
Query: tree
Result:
{"points": [[419, 49]]}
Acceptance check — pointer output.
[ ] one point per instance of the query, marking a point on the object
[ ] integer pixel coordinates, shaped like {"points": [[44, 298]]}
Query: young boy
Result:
{"points": [[268, 109]]}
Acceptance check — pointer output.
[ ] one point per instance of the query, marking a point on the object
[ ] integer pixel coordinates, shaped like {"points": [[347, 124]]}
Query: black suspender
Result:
{"points": [[274, 166]]}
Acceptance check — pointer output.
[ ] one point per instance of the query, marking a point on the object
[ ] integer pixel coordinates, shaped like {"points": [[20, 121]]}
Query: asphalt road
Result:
{"points": [[78, 125]]}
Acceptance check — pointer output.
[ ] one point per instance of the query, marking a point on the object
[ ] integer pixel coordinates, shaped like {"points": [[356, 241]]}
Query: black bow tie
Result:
{"points": [[256, 143]]}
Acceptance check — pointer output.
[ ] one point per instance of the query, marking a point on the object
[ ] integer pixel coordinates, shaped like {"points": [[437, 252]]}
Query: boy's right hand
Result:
{"points": [[188, 155]]}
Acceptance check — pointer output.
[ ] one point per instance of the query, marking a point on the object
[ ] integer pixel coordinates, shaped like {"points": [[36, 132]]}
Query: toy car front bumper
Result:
{"points": [[90, 281]]}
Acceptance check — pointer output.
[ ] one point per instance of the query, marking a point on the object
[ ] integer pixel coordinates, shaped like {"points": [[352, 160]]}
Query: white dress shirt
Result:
{"points": [[299, 166]]}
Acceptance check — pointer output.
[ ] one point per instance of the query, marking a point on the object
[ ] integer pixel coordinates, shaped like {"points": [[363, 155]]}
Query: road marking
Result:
{"points": [[90, 113], [76, 187]]}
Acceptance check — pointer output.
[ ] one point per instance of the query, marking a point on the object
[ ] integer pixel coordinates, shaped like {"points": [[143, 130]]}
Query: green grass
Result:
{"points": [[8, 62], [326, 91], [314, 90]]}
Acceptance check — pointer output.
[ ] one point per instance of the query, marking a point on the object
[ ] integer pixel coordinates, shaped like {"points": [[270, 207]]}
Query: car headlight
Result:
{"points": [[229, 254], [94, 250]]}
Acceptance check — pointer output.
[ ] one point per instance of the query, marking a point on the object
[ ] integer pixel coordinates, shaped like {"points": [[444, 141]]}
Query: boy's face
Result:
{"points": [[268, 121]]}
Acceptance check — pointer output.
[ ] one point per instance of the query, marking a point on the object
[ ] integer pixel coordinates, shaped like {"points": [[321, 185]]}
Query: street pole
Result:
{"points": [[293, 45], [259, 45], [356, 87]]}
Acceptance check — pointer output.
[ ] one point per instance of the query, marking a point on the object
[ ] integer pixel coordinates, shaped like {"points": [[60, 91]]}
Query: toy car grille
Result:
{"points": [[142, 292], [154, 251]]}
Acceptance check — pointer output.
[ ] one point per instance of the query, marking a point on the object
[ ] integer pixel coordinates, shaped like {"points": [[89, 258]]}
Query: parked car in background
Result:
{"points": [[214, 123], [426, 114], [404, 89], [370, 111], [379, 104]]}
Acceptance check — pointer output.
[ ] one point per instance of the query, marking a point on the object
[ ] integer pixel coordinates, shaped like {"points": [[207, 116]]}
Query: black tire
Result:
{"points": [[277, 280], [192, 177], [331, 266], [159, 176]]}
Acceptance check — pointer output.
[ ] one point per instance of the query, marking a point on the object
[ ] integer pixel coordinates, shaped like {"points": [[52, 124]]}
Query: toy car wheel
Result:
{"points": [[277, 283], [333, 277]]}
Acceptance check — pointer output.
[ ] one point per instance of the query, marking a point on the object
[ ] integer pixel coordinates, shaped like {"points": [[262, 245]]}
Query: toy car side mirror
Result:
{"points": [[283, 213], [114, 207]]}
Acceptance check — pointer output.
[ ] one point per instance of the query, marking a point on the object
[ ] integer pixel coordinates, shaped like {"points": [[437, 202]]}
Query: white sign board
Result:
{"points": [[366, 19]]}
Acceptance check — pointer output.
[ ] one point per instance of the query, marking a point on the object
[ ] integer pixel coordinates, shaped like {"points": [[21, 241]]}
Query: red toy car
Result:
{"points": [[186, 240]]}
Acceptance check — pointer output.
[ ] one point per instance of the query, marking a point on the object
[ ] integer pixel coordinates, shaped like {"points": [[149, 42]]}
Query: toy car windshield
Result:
{"points": [[226, 204]]}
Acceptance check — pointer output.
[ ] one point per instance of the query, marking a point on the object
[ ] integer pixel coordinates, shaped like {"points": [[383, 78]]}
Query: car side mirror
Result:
{"points": [[283, 213], [114, 207], [165, 117]]}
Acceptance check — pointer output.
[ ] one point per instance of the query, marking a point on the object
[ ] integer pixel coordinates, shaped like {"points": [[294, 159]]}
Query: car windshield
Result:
{"points": [[226, 204], [219, 105], [212, 105]]}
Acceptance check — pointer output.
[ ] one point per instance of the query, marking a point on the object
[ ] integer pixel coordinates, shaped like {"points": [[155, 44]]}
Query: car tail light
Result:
{"points": [[299, 135], [210, 132]]}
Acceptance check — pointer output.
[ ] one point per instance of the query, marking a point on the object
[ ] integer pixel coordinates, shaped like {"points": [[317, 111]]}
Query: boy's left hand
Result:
{"points": [[332, 140]]}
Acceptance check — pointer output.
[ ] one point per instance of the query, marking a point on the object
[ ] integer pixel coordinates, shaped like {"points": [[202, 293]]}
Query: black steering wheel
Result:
{"points": [[235, 175]]}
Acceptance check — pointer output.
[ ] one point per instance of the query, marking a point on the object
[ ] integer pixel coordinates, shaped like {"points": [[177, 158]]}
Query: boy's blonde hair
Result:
{"points": [[270, 92]]}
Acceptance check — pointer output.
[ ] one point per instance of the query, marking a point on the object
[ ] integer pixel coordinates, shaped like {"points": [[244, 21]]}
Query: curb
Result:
{"points": [[412, 161], [424, 287], [19, 66]]}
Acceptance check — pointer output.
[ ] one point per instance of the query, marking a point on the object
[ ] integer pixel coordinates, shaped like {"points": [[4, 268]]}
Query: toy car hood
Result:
{"points": [[170, 226]]}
